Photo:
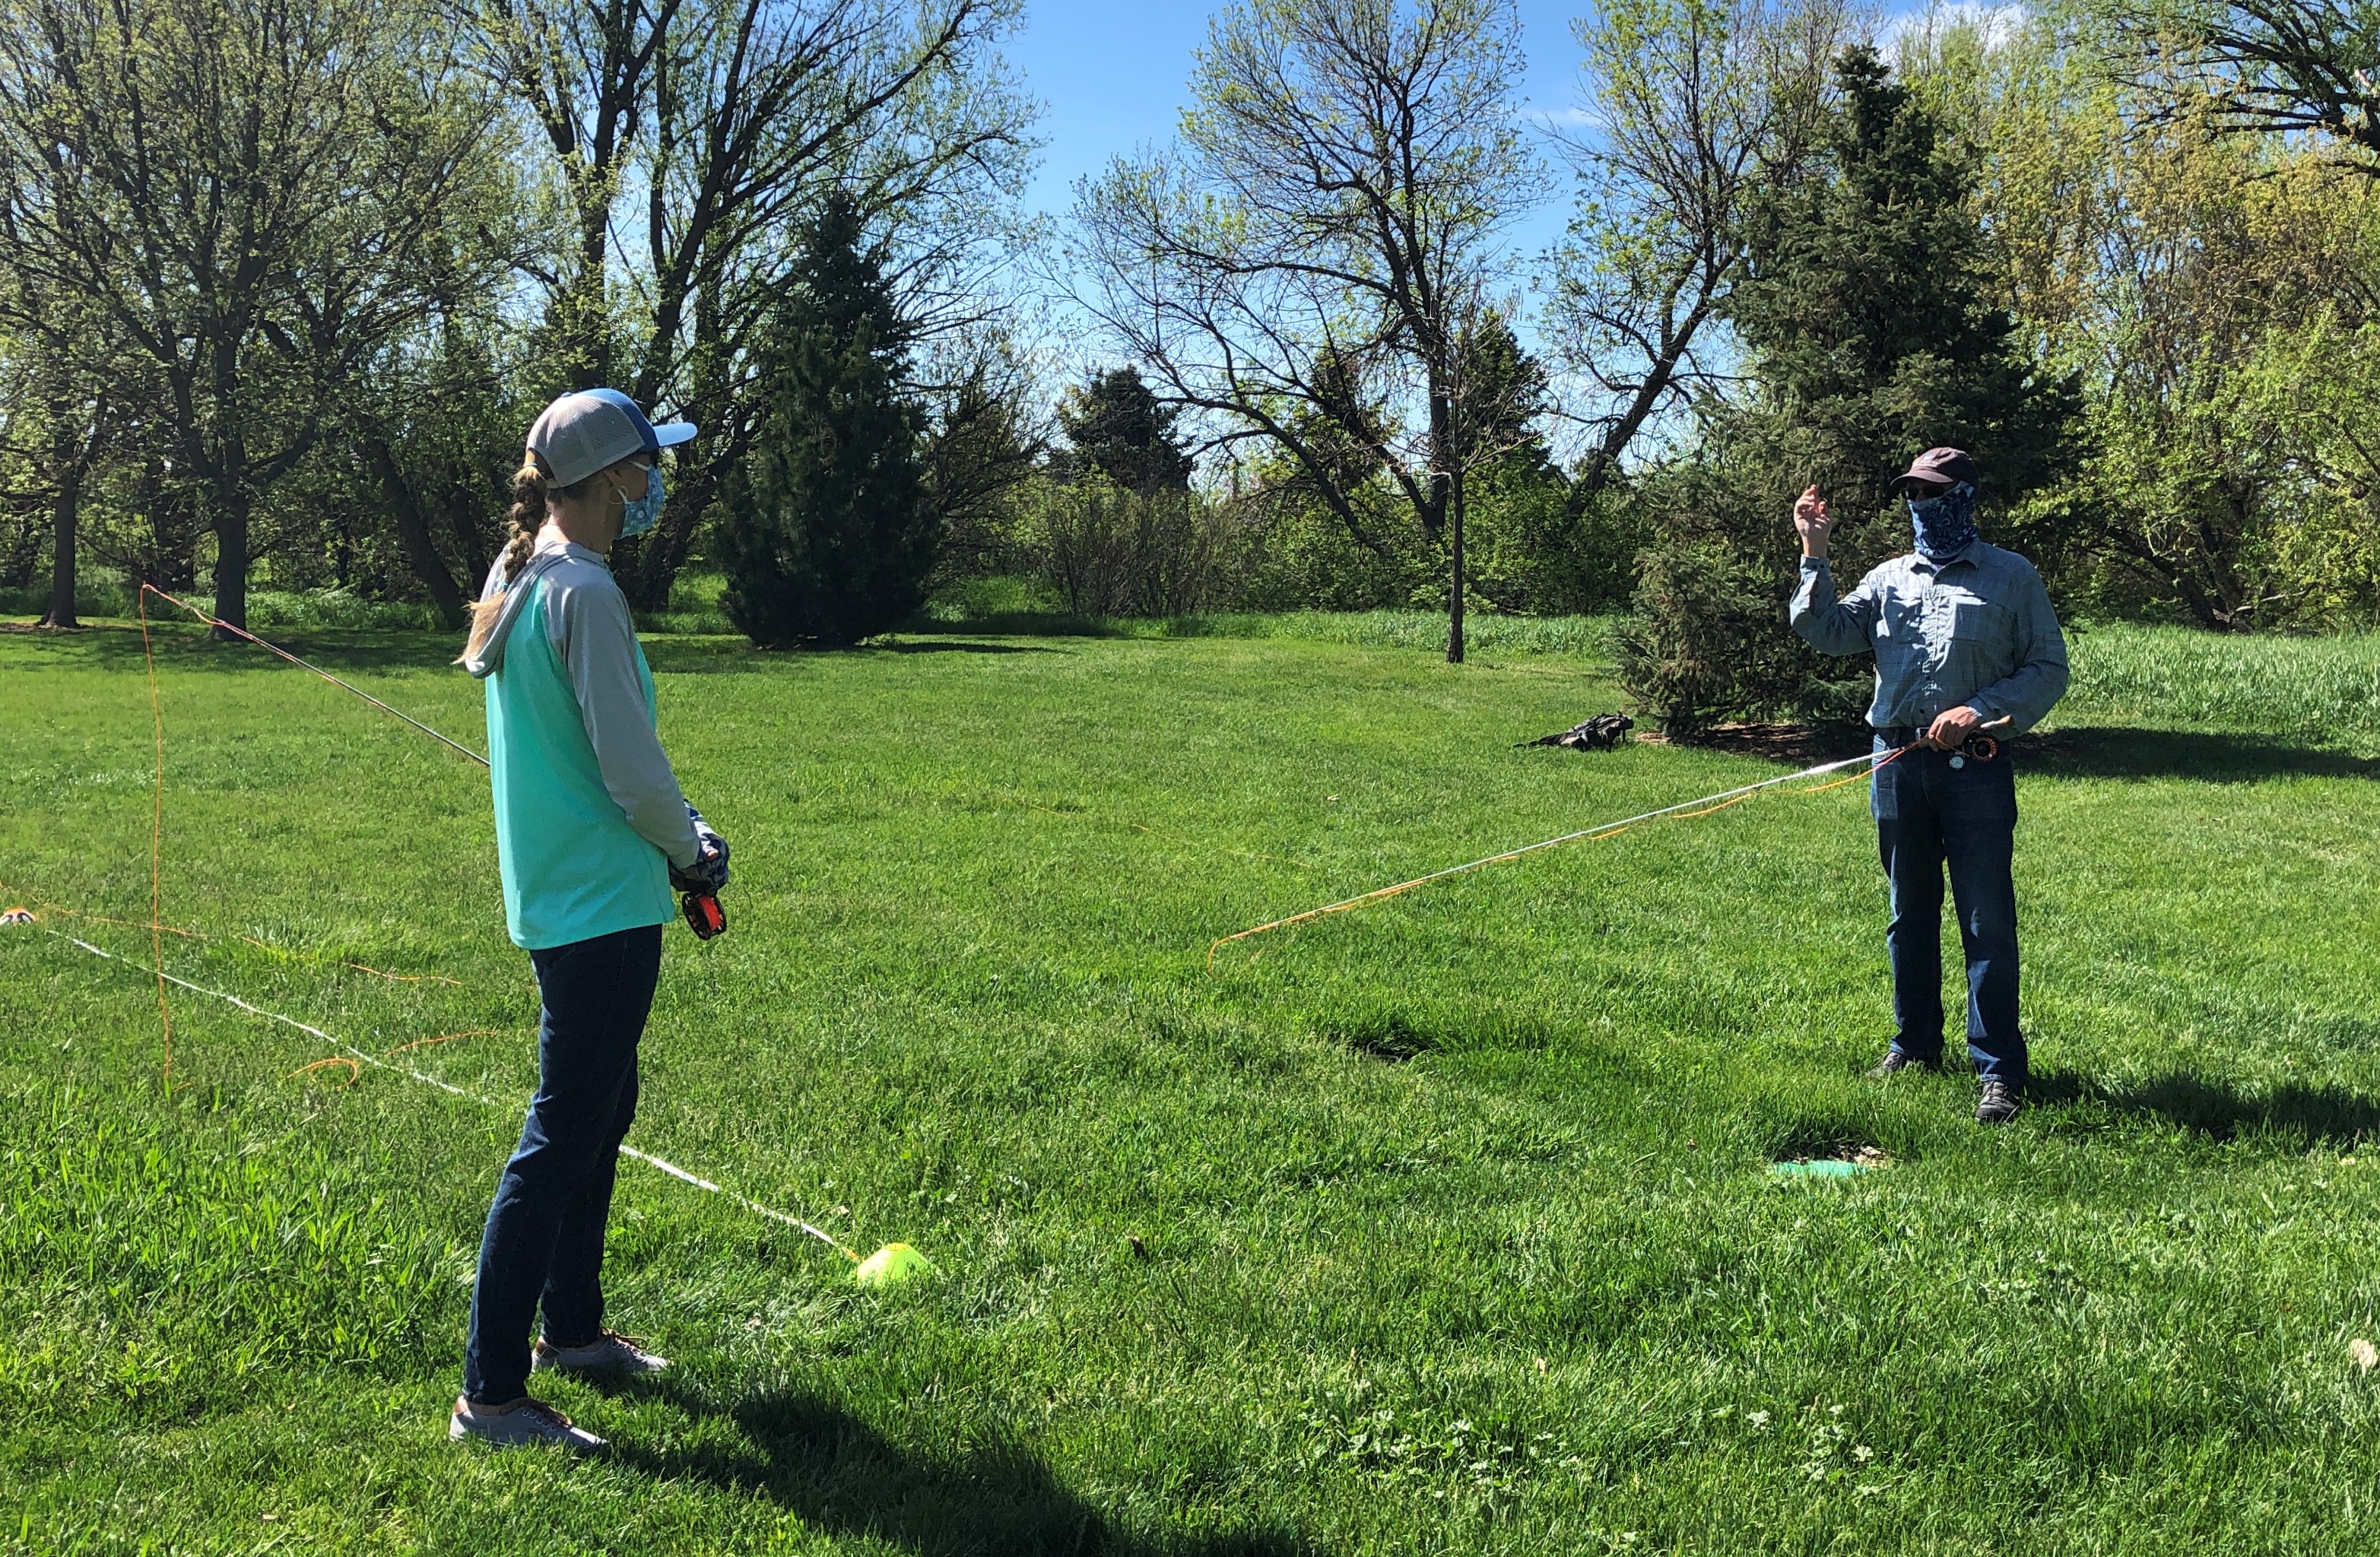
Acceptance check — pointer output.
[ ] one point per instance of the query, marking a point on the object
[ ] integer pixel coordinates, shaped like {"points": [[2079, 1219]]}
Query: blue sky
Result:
{"points": [[1110, 76]]}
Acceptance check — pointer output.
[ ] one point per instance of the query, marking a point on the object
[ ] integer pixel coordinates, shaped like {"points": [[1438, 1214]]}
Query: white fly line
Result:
{"points": [[376, 1062]]}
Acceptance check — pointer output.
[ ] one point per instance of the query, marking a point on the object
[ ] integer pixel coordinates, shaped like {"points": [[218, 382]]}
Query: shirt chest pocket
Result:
{"points": [[1978, 627]]}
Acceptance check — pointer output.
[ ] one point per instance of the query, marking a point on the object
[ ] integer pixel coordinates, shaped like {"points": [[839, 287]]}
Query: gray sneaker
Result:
{"points": [[524, 1422], [611, 1353], [1999, 1103]]}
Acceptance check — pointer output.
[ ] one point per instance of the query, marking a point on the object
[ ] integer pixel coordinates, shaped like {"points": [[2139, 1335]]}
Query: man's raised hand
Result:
{"points": [[1810, 517]]}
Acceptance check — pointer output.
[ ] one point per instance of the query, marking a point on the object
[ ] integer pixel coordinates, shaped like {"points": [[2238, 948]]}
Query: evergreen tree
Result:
{"points": [[1116, 425], [829, 535], [1870, 311], [1868, 315]]}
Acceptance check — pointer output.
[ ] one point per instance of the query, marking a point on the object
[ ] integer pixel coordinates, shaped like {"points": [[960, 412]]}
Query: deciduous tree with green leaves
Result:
{"points": [[689, 142], [239, 196], [2308, 71], [2215, 294]]}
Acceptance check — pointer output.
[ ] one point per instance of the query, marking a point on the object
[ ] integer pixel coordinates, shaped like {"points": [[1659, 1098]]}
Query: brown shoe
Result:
{"points": [[1894, 1062]]}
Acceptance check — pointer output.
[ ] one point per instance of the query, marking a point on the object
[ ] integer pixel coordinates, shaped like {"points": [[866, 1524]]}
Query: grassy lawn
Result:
{"points": [[1442, 1226]]}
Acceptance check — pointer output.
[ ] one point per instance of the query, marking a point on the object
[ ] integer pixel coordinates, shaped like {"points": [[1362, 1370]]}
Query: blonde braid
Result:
{"points": [[527, 518]]}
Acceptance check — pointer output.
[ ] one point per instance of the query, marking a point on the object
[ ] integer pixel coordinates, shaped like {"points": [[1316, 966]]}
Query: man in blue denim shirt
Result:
{"points": [[1965, 642]]}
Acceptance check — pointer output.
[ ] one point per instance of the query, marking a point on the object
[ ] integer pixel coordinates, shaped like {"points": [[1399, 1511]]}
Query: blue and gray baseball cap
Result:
{"points": [[583, 432]]}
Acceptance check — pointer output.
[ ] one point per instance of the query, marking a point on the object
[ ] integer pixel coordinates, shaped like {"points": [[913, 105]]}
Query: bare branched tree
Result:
{"points": [[1693, 105], [2277, 67], [1306, 267]]}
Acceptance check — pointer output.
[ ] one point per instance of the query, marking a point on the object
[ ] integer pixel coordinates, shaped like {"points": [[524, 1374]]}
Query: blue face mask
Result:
{"points": [[1944, 524], [642, 513]]}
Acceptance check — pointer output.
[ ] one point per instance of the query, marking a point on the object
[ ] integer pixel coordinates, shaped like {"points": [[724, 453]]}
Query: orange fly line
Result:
{"points": [[1685, 810]]}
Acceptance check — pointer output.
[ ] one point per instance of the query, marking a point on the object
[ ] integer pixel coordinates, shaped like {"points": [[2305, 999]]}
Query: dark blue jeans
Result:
{"points": [[544, 1242], [1929, 815]]}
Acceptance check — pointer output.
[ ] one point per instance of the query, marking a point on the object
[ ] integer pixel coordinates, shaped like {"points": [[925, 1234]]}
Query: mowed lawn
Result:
{"points": [[1445, 1226]]}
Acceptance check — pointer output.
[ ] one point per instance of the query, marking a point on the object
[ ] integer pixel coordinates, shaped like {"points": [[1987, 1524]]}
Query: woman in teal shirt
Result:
{"points": [[592, 834]]}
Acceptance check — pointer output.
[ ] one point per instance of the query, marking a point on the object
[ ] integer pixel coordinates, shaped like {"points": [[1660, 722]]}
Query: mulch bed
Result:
{"points": [[1805, 744]]}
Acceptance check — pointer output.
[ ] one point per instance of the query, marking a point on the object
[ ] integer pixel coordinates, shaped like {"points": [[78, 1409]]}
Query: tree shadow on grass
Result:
{"points": [[814, 1459], [2076, 752], [186, 646], [718, 657], [1022, 624], [2114, 752], [344, 651], [944, 648], [1787, 741], [2327, 1115]]}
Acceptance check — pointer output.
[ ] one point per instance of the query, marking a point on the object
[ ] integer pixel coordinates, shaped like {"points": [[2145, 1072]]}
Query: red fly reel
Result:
{"points": [[704, 915]]}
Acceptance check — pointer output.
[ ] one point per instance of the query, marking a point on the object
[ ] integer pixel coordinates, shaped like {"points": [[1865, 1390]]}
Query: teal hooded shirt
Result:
{"points": [[588, 814]]}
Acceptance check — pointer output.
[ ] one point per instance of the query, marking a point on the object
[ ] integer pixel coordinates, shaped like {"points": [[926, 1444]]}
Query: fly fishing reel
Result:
{"points": [[1976, 748]]}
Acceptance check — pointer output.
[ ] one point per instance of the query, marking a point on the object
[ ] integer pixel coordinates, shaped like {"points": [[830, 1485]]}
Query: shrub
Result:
{"points": [[1110, 552]]}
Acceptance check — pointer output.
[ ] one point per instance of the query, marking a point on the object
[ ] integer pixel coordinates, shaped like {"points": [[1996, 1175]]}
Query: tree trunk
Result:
{"points": [[24, 557], [228, 494], [74, 443], [1454, 592], [648, 570], [413, 533], [647, 567], [464, 522], [231, 505], [64, 513], [173, 561]]}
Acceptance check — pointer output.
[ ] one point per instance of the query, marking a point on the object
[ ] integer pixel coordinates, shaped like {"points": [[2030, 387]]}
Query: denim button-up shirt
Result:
{"points": [[1977, 628]]}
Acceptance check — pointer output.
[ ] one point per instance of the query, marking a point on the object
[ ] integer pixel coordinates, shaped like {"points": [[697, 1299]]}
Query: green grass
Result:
{"points": [[268, 610], [1458, 1231], [2324, 689]]}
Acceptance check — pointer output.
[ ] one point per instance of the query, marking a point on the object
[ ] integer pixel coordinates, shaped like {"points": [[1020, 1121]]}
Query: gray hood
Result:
{"points": [[515, 592]]}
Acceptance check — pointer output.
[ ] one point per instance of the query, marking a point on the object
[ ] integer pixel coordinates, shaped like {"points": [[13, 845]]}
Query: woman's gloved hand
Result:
{"points": [[709, 872]]}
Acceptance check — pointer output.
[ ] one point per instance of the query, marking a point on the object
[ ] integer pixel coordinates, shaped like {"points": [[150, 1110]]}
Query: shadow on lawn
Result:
{"points": [[957, 648], [2113, 752], [184, 645], [2327, 1115], [2077, 752], [716, 656], [1022, 624], [817, 1460]]}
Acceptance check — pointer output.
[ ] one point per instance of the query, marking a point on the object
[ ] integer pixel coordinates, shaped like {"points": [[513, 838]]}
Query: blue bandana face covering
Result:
{"points": [[644, 512], [1946, 525]]}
